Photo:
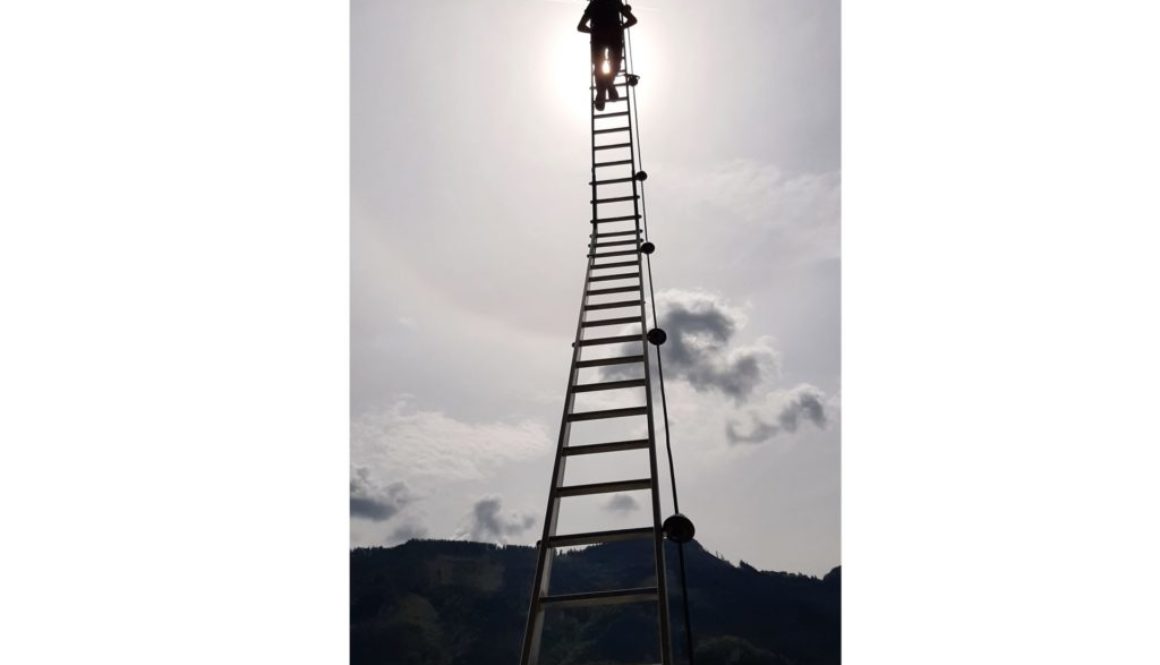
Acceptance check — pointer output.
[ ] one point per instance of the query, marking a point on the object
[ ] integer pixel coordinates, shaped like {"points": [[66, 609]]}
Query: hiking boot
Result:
{"points": [[613, 95]]}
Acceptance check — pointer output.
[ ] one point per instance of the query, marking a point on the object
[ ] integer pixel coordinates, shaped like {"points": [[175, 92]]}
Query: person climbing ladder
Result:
{"points": [[601, 19]]}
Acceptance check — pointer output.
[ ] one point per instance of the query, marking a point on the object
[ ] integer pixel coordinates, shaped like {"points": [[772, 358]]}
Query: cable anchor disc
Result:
{"points": [[679, 528]]}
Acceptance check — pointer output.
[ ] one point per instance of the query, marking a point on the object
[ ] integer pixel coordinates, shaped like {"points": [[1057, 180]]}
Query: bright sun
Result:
{"points": [[566, 63]]}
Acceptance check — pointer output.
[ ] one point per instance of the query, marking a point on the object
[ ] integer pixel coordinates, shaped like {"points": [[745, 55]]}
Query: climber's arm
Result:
{"points": [[583, 27], [630, 20]]}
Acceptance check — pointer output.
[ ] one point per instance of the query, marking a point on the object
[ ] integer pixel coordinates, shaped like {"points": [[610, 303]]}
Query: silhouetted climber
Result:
{"points": [[607, 42]]}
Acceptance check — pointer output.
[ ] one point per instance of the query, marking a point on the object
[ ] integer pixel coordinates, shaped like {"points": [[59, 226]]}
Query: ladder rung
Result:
{"points": [[619, 85], [616, 163], [625, 253], [610, 130], [601, 362], [610, 234], [608, 413], [597, 341], [614, 305], [621, 264], [610, 536], [613, 146], [608, 385], [615, 199], [591, 598], [611, 447], [612, 278], [605, 488], [616, 243], [611, 181], [615, 289], [623, 218], [623, 98], [611, 322], [610, 115]]}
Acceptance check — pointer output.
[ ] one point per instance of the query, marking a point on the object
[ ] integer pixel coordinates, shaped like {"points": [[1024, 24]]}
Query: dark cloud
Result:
{"points": [[806, 403], [760, 432], [371, 502], [621, 503], [700, 327], [487, 523], [803, 403]]}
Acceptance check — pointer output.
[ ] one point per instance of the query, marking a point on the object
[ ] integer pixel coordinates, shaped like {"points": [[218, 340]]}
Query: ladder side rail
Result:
{"points": [[545, 555]]}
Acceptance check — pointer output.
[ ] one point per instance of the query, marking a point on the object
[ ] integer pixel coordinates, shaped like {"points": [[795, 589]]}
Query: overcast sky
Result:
{"points": [[470, 162]]}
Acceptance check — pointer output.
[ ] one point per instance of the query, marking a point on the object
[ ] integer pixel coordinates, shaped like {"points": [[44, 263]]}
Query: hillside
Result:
{"points": [[451, 603]]}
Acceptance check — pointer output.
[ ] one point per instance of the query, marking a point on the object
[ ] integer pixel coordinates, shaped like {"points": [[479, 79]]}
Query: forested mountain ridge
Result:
{"points": [[431, 602]]}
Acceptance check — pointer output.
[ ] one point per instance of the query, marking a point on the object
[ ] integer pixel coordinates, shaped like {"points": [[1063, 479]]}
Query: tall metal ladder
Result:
{"points": [[615, 256]]}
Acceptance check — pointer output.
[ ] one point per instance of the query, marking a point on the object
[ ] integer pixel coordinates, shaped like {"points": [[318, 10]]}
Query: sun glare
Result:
{"points": [[566, 65]]}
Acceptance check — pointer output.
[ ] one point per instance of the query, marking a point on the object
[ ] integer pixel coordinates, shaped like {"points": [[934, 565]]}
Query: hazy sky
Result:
{"points": [[470, 212]]}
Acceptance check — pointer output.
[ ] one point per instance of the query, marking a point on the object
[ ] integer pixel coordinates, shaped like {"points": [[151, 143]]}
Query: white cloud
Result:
{"points": [[406, 531], [409, 468], [400, 441], [795, 216]]}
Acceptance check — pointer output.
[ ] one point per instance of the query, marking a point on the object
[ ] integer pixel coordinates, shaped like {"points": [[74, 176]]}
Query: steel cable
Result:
{"points": [[631, 90]]}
